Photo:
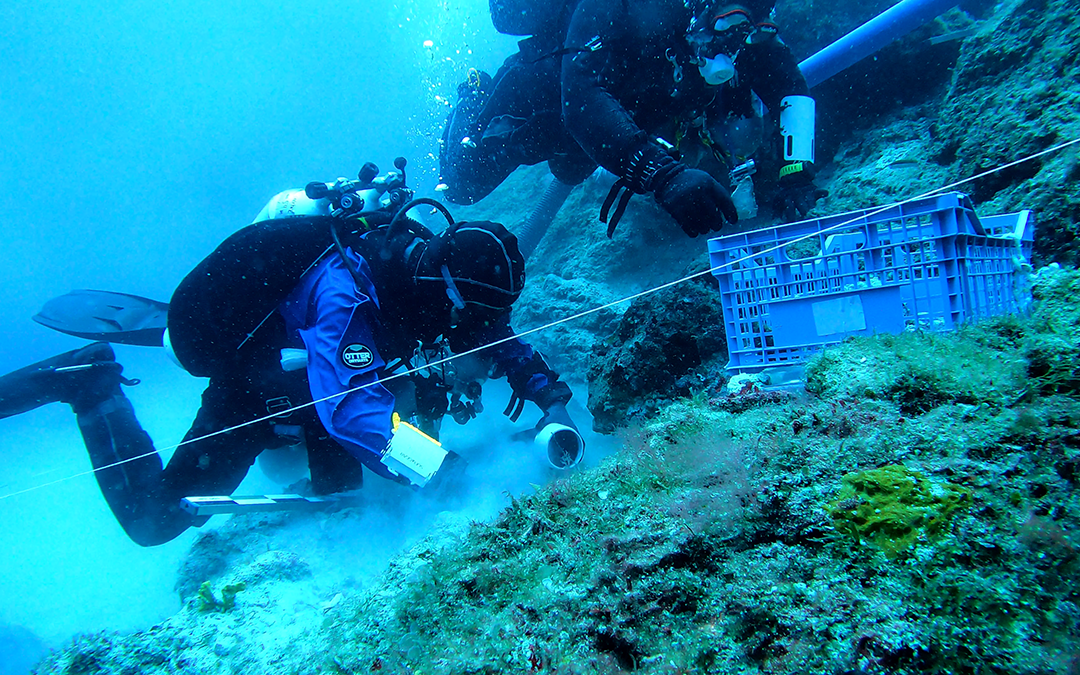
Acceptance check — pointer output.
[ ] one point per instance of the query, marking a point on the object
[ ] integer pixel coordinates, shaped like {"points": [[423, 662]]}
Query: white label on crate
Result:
{"points": [[839, 315]]}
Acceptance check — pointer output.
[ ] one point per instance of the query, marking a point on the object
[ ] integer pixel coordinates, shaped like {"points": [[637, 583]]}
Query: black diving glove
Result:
{"points": [[697, 202], [521, 379], [798, 194], [431, 401]]}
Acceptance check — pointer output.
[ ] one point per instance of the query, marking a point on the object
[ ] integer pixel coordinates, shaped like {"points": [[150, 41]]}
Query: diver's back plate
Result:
{"points": [[108, 316]]}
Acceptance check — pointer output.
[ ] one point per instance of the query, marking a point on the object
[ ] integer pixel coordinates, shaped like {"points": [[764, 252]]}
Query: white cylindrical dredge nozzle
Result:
{"points": [[797, 128], [560, 446]]}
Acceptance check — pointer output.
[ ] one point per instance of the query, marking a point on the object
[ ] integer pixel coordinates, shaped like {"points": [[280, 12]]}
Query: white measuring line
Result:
{"points": [[567, 319]]}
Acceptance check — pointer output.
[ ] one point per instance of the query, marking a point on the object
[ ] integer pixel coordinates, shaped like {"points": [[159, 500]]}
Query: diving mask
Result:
{"points": [[717, 41]]}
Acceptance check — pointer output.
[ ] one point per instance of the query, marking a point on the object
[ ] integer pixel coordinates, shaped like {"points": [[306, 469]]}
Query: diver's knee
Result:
{"points": [[148, 535], [160, 525], [571, 170]]}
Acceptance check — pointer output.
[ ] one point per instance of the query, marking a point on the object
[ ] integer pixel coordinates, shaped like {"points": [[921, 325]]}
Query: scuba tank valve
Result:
{"points": [[344, 198], [369, 192]]}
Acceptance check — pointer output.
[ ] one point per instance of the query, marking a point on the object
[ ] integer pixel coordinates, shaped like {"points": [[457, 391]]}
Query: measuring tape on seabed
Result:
{"points": [[227, 504], [572, 317]]}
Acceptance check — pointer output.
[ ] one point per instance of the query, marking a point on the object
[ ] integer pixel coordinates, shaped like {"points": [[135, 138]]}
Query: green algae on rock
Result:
{"points": [[895, 508], [1052, 346], [206, 601], [920, 371]]}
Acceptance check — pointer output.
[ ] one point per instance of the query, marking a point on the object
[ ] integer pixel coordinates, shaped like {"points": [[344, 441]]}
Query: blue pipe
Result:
{"points": [[892, 24]]}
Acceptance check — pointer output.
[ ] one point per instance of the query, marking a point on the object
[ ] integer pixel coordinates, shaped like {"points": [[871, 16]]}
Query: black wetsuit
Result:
{"points": [[511, 120], [626, 75], [231, 292]]}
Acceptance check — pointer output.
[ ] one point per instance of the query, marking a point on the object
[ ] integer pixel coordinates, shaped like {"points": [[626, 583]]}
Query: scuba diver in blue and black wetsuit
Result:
{"points": [[665, 94], [327, 294]]}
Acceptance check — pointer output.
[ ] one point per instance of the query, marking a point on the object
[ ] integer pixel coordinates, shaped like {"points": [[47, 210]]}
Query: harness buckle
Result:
{"points": [[279, 407]]}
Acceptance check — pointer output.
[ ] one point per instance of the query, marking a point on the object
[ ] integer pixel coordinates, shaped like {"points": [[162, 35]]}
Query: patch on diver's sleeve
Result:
{"points": [[357, 356]]}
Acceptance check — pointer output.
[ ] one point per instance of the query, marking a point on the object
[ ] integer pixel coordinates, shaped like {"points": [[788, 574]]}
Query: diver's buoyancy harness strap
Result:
{"points": [[622, 186], [653, 163], [354, 272]]}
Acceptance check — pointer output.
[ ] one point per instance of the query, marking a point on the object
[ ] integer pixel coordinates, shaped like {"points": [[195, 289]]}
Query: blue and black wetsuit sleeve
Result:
{"points": [[535, 381], [334, 315]]}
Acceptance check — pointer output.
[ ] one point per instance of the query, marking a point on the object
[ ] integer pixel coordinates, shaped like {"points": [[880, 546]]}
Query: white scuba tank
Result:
{"points": [[292, 204], [296, 204]]}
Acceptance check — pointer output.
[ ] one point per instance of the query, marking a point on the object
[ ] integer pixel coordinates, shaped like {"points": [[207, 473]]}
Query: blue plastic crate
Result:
{"points": [[930, 264]]}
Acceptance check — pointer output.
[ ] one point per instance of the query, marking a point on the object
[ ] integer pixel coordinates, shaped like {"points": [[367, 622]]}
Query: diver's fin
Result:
{"points": [[104, 315]]}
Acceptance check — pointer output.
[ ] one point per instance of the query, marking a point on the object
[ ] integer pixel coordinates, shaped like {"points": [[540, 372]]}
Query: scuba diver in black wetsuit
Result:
{"points": [[323, 298], [659, 92], [511, 120]]}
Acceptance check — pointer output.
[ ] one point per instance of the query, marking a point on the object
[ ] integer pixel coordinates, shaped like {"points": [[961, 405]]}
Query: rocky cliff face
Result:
{"points": [[667, 346], [1001, 84]]}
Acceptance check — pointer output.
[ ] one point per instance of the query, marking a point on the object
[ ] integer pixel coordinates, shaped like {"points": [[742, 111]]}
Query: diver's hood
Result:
{"points": [[475, 264], [464, 277]]}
